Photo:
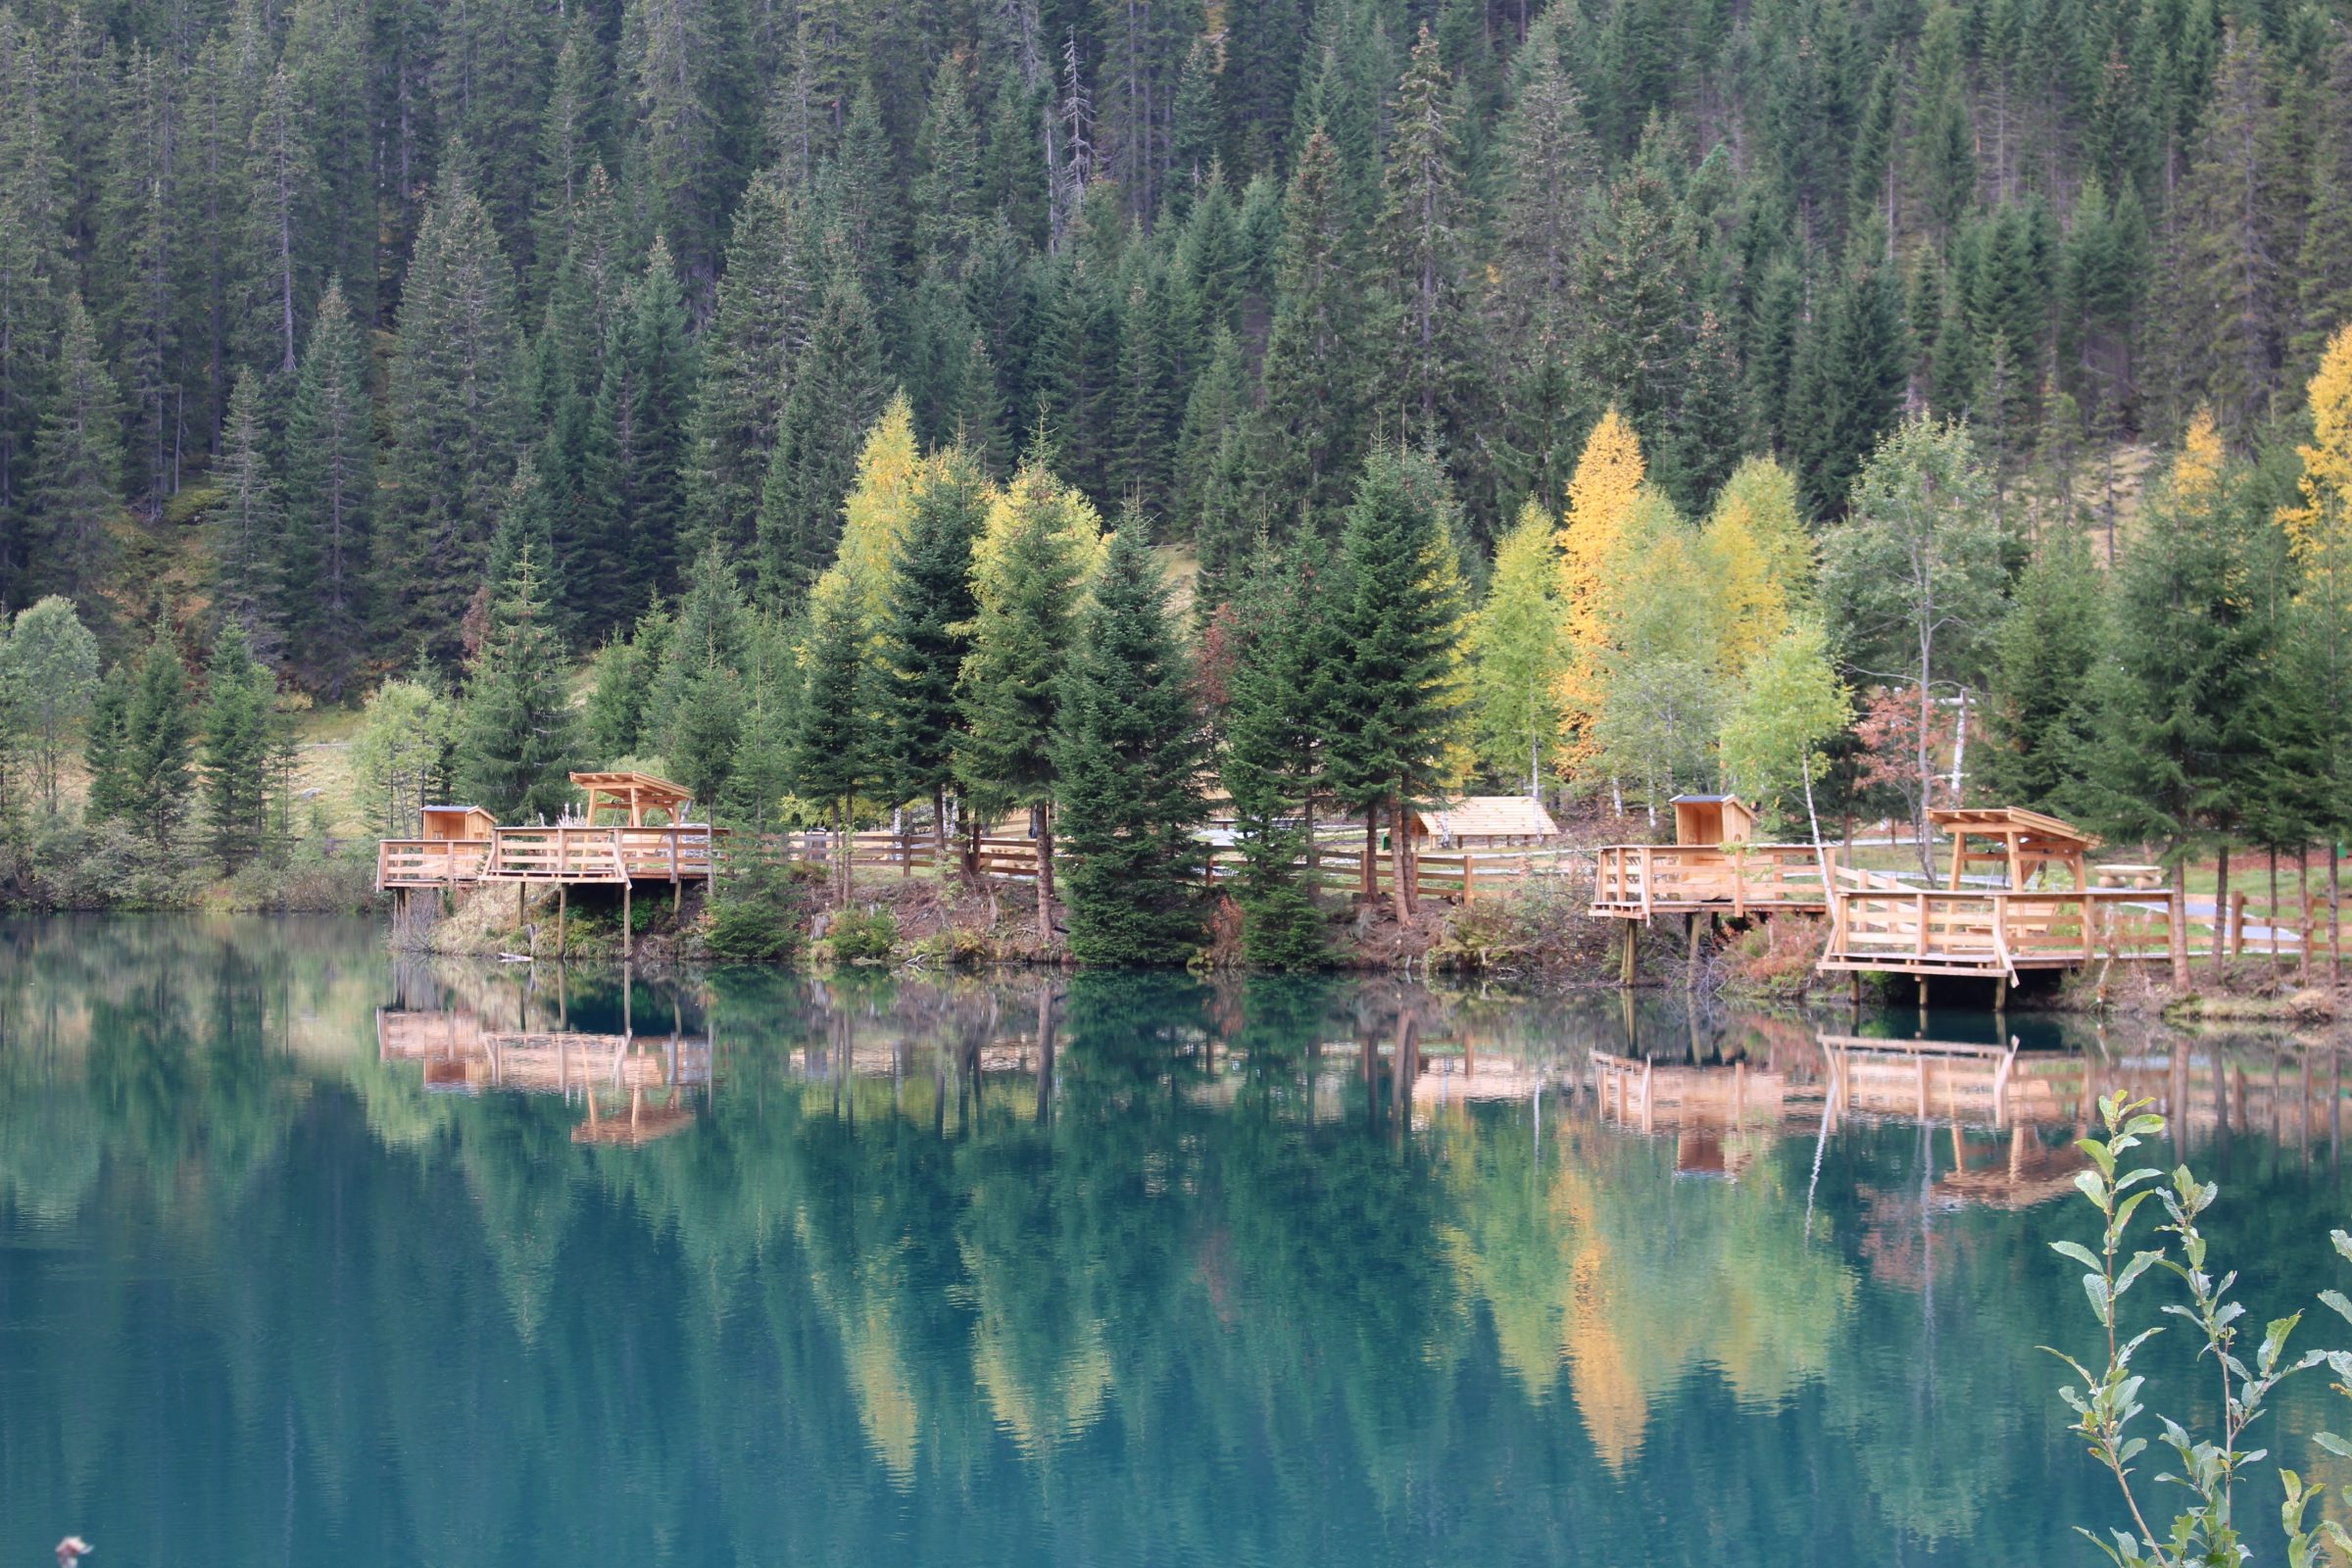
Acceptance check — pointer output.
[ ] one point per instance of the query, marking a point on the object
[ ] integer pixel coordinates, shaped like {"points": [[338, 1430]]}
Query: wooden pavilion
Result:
{"points": [[2025, 846], [1483, 822]]}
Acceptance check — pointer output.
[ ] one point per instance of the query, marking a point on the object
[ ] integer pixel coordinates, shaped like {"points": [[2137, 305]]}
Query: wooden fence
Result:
{"points": [[1876, 924], [1640, 879]]}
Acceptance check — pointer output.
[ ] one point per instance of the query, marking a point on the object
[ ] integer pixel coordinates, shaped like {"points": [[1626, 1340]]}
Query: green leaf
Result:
{"points": [[2335, 1300], [2094, 1187], [2332, 1444], [2078, 1252]]}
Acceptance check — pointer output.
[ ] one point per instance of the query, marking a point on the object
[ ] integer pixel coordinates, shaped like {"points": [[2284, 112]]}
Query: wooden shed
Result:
{"points": [[1484, 822], [2022, 843], [1713, 820], [634, 795], [444, 825]]}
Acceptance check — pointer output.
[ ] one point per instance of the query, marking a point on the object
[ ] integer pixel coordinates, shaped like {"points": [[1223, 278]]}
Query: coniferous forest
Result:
{"points": [[1853, 404]]}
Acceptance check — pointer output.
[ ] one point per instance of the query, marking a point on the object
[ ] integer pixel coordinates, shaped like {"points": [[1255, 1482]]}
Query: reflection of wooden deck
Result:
{"points": [[655, 1072], [1634, 881], [1649, 1096]]}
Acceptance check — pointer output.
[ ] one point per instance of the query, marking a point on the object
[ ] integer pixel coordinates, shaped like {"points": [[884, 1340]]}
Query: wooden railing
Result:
{"points": [[580, 854], [428, 863], [1874, 925], [1637, 878]]}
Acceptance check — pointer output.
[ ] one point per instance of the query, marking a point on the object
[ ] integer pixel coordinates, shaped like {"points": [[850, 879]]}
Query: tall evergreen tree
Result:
{"points": [[837, 390], [249, 527], [1399, 619], [1027, 571], [641, 411], [329, 498], [515, 739], [454, 409], [928, 635], [1847, 389], [1273, 746], [1129, 759], [748, 367], [138, 746], [1317, 381], [833, 745], [76, 468], [238, 747], [2039, 720]]}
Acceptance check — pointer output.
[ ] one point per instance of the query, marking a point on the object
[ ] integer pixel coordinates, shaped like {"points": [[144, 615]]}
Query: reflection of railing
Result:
{"points": [[428, 863], [1642, 879], [1874, 925]]}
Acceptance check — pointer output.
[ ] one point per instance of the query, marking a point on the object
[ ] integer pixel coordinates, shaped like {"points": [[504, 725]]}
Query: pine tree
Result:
{"points": [[454, 414], [239, 744], [525, 524], [329, 497], [514, 740], [1273, 753], [832, 747], [1638, 288], [1847, 390], [281, 204], [76, 468], [947, 187], [2324, 266], [1317, 381], [927, 634], [2039, 720], [139, 735], [1028, 568], [490, 84], [2317, 677], [641, 410], [837, 390], [1128, 755], [678, 58], [1399, 619], [2180, 696], [1420, 237], [623, 693], [694, 707], [1546, 165], [249, 526]]}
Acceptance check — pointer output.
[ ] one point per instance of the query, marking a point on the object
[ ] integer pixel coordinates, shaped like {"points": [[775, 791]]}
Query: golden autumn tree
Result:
{"points": [[1757, 561], [874, 517], [1600, 501]]}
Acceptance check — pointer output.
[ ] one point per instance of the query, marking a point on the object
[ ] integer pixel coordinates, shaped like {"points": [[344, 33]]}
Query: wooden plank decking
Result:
{"points": [[571, 854], [1878, 924]]}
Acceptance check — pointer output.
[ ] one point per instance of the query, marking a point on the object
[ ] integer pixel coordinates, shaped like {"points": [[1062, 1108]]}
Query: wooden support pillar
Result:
{"points": [[629, 933], [1625, 967], [1691, 959], [518, 895], [563, 914]]}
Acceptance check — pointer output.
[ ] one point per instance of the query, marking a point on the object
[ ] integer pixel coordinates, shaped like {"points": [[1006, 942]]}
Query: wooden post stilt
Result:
{"points": [[1691, 959], [563, 914], [629, 933], [1625, 968], [518, 891]]}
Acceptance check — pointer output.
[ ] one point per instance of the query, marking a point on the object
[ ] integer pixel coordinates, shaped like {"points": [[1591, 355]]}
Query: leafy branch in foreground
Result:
{"points": [[2108, 1404]]}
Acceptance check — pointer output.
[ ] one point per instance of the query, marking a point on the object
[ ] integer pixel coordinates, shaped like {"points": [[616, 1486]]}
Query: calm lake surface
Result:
{"points": [[310, 1258]]}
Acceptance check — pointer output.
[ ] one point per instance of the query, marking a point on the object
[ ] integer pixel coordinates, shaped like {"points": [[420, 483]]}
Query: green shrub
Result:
{"points": [[863, 938], [754, 917]]}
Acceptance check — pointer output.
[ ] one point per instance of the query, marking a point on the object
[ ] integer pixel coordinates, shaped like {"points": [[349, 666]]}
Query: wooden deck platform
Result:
{"points": [[571, 855], [1882, 925], [1634, 881]]}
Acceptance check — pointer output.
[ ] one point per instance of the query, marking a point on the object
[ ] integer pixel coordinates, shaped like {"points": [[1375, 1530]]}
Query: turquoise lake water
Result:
{"points": [[310, 1258]]}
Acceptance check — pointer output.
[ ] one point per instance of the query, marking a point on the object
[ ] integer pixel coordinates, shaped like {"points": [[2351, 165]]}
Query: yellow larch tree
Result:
{"points": [[2320, 531], [2319, 650], [1757, 561], [1601, 500], [890, 478]]}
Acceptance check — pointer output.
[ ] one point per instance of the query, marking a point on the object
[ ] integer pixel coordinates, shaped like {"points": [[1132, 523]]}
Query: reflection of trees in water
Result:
{"points": [[1215, 1271]]}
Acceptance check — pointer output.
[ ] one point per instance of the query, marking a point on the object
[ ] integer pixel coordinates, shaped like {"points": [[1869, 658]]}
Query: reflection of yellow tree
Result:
{"points": [[1630, 1280], [861, 1300]]}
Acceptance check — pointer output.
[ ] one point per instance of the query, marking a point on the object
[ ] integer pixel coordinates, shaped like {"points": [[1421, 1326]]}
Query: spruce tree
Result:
{"points": [[837, 390], [1422, 221], [640, 413], [1272, 752], [329, 497], [832, 745], [1028, 569], [1399, 619], [76, 468], [1847, 389], [1317, 381], [2180, 696], [248, 549], [927, 634], [454, 409], [139, 741], [1129, 757], [2039, 720], [239, 745], [2324, 266], [515, 741]]}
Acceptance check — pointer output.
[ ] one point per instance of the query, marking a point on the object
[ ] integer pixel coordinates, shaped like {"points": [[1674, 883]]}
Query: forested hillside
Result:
{"points": [[1871, 404], [343, 282]]}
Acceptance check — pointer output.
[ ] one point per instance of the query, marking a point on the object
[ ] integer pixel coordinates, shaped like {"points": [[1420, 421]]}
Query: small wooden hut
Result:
{"points": [[455, 824], [1713, 820], [1484, 822]]}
